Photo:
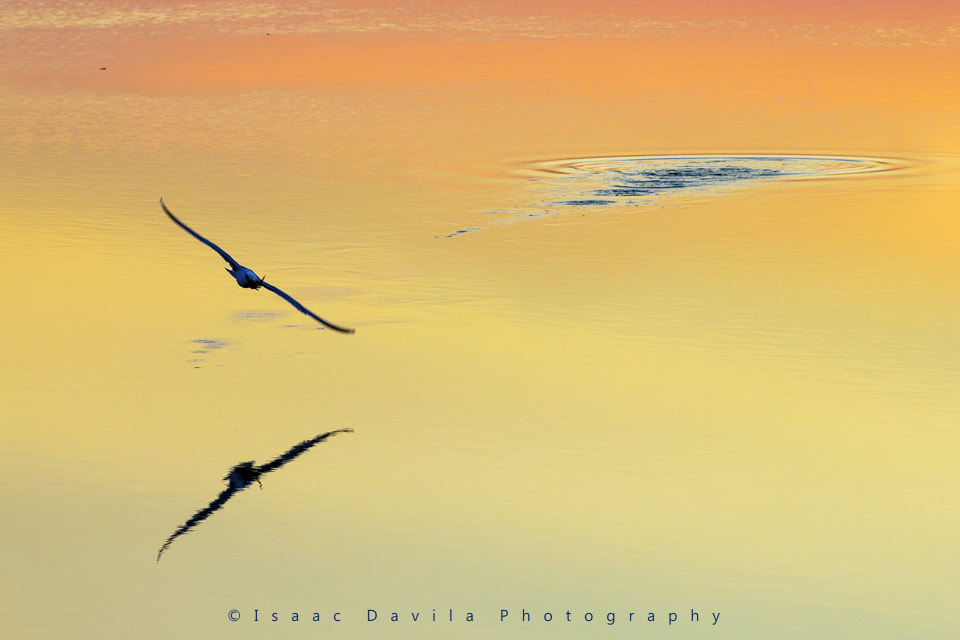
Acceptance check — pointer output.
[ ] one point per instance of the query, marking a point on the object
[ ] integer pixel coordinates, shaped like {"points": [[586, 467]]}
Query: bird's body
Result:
{"points": [[242, 476], [246, 277]]}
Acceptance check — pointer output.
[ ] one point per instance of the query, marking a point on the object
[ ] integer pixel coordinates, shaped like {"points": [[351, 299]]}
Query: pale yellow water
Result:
{"points": [[740, 401]]}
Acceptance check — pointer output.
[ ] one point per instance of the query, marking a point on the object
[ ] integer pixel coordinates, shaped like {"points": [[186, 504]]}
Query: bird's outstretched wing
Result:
{"points": [[296, 450], [223, 254], [255, 473], [199, 517], [302, 308]]}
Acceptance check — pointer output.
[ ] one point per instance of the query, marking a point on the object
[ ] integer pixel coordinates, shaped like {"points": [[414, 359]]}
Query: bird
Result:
{"points": [[246, 278], [242, 476]]}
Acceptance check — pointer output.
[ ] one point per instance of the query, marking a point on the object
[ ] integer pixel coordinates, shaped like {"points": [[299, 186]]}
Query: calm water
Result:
{"points": [[632, 337]]}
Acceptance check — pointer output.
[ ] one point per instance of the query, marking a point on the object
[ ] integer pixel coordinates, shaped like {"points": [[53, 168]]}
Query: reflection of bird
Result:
{"points": [[246, 278], [239, 478]]}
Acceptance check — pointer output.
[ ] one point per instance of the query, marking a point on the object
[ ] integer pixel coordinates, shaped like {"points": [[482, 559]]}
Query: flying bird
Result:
{"points": [[240, 477], [246, 278]]}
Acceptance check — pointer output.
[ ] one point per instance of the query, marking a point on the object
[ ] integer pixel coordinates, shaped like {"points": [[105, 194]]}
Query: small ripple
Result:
{"points": [[206, 345], [460, 232], [255, 316], [209, 345]]}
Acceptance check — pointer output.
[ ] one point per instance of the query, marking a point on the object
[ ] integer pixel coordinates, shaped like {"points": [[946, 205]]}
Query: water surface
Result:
{"points": [[656, 312]]}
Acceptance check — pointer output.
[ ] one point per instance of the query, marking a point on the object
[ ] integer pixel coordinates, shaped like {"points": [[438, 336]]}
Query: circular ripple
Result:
{"points": [[559, 185], [605, 181], [748, 166]]}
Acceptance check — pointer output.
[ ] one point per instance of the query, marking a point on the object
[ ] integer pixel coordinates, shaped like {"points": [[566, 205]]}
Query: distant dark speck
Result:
{"points": [[103, 68]]}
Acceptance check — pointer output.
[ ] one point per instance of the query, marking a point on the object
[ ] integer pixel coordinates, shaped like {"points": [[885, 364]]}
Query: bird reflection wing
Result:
{"points": [[296, 450], [199, 517], [223, 254], [303, 309]]}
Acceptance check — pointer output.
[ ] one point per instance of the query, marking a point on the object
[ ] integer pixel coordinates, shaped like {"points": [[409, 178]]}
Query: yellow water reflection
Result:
{"points": [[742, 402]]}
